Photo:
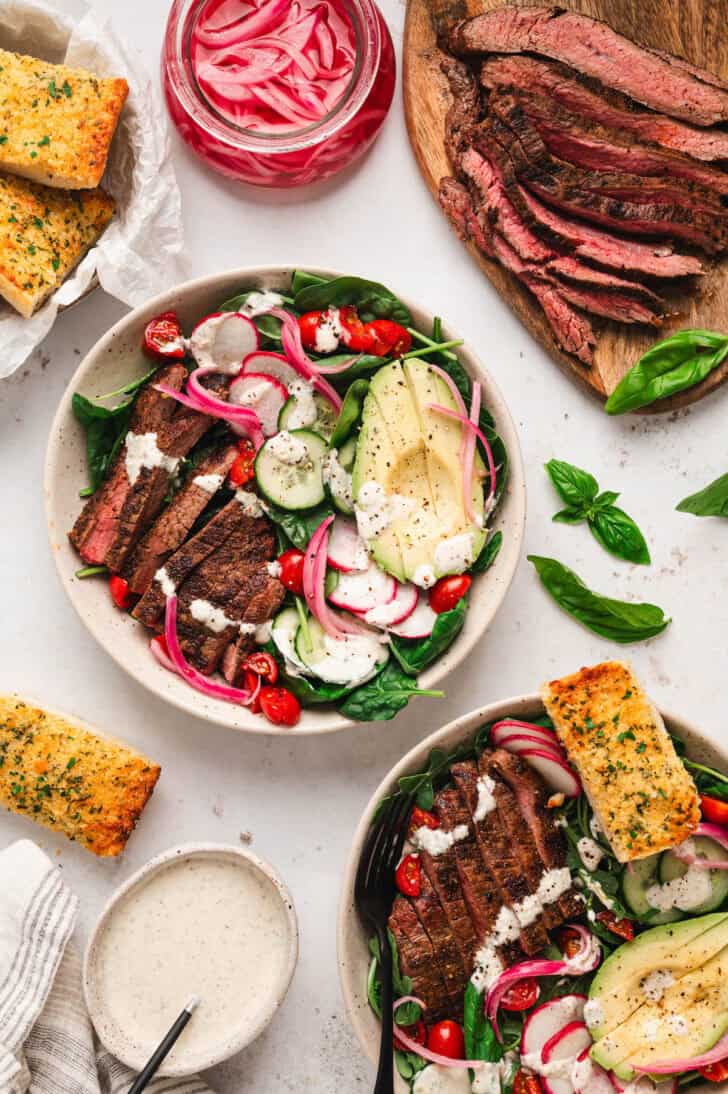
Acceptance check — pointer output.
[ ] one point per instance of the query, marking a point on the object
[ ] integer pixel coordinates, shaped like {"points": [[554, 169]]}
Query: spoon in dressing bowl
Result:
{"points": [[150, 1069]]}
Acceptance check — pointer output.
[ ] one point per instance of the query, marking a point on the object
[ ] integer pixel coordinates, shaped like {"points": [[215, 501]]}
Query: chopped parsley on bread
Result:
{"points": [[56, 123], [60, 774], [44, 233], [640, 791]]}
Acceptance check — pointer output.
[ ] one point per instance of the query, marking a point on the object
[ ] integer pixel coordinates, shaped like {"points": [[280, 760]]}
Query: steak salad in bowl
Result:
{"points": [[560, 918], [296, 498]]}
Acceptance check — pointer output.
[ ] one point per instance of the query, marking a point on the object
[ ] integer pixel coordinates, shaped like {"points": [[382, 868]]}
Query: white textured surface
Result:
{"points": [[300, 800]]}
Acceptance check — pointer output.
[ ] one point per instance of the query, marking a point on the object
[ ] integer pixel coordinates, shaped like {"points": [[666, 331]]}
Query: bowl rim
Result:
{"points": [[216, 711], [141, 877], [351, 975]]}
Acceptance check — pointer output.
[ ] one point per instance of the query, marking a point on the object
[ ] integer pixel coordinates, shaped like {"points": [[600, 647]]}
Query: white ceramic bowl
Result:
{"points": [[116, 359], [352, 938], [230, 1041]]}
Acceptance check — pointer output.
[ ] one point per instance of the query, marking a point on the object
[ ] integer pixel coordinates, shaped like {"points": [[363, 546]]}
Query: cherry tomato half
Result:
{"points": [[524, 1083], [446, 1038], [354, 334], [408, 875], [119, 589], [163, 337], [263, 665], [388, 339], [251, 683], [713, 809], [522, 995], [417, 1033], [291, 575], [243, 468], [569, 941], [420, 818], [280, 706], [623, 928], [446, 592], [715, 1073], [308, 324]]}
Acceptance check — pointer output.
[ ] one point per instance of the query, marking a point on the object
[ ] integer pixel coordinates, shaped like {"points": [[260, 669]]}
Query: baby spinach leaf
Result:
{"points": [[415, 654], [618, 534], [670, 366], [381, 698], [105, 431], [408, 1013], [480, 1039], [303, 280], [408, 1064], [619, 620], [707, 779], [488, 554], [364, 365], [350, 413], [310, 693], [712, 501], [610, 526], [573, 485], [299, 526], [371, 299]]}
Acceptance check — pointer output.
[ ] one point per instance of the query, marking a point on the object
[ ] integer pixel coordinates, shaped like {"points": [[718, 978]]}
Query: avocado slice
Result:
{"points": [[372, 464], [689, 1018]]}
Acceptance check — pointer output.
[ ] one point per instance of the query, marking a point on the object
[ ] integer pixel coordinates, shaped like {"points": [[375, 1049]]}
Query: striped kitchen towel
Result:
{"points": [[47, 1043]]}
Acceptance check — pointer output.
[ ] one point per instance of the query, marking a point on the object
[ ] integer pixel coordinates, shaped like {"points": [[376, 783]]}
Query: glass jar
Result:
{"points": [[298, 156]]}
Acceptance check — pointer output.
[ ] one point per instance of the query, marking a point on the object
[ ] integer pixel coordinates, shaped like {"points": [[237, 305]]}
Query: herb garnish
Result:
{"points": [[712, 501], [670, 366]]}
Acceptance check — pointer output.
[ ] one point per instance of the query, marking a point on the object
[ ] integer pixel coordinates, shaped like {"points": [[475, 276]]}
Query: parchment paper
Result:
{"points": [[135, 257]]}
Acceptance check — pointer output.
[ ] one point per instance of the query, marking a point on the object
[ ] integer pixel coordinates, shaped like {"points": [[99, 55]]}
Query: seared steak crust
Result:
{"points": [[417, 960]]}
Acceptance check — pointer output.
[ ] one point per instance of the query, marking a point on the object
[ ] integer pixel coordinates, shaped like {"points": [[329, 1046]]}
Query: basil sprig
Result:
{"points": [[670, 366], [610, 526], [712, 501], [619, 620]]}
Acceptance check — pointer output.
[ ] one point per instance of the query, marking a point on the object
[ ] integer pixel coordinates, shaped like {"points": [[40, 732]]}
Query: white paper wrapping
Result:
{"points": [[135, 257]]}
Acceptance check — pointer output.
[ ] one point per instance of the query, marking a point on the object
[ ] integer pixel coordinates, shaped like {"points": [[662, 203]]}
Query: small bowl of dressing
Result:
{"points": [[203, 920]]}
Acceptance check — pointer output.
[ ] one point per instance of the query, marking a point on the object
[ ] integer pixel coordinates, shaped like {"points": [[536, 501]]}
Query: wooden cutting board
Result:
{"points": [[695, 29]]}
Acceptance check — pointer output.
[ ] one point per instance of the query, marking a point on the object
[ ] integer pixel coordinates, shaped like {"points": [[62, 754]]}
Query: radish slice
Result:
{"points": [[263, 394], [314, 576], [546, 1020], [222, 340], [419, 622], [509, 724], [397, 610], [359, 592], [519, 742], [567, 1044], [347, 551], [588, 1077], [553, 769], [272, 364]]}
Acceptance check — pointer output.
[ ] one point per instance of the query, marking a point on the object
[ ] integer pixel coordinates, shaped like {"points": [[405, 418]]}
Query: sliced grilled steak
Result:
{"points": [[457, 205], [442, 874], [587, 144], [532, 796], [261, 607], [562, 85], [417, 960], [172, 527], [97, 525], [465, 107], [449, 962], [594, 49], [499, 854]]}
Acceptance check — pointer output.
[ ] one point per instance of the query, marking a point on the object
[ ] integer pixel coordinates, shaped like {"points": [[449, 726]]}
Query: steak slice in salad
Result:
{"points": [[453, 971], [417, 958]]}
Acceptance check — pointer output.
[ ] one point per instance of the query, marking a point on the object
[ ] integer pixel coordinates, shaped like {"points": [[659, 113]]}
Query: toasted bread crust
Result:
{"points": [[56, 123], [639, 789], [60, 774], [44, 233]]}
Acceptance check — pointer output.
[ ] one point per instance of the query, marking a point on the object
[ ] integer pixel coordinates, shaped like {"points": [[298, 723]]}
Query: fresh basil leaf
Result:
{"points": [[712, 501], [480, 1039], [350, 413], [618, 534], [572, 484], [105, 431], [371, 299], [383, 697], [571, 516], [488, 554], [619, 620], [416, 654], [670, 366], [605, 499], [299, 526]]}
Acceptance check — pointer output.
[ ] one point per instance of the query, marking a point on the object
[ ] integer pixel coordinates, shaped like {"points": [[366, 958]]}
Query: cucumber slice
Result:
{"points": [[349, 661], [293, 416], [338, 484], [283, 635], [671, 868], [636, 881], [294, 486], [347, 453]]}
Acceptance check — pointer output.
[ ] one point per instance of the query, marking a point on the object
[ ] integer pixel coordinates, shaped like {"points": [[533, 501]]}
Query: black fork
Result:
{"points": [[374, 892]]}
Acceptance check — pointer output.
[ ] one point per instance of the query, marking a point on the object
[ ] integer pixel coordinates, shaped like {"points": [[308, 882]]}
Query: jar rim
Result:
{"points": [[176, 62]]}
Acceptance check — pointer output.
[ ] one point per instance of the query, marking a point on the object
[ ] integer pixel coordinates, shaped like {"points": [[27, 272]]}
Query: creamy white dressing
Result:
{"points": [[654, 985], [486, 800], [436, 1079], [678, 1025], [210, 483], [384, 615], [590, 853], [595, 827], [554, 1069], [247, 629], [354, 657], [595, 887], [580, 1074], [376, 509], [263, 632], [258, 303], [424, 576], [436, 841], [305, 411], [593, 1013], [287, 449], [165, 582], [454, 554], [198, 927], [251, 503], [274, 568], [204, 346], [211, 617], [143, 451], [338, 478], [328, 331], [651, 1029], [685, 892]]}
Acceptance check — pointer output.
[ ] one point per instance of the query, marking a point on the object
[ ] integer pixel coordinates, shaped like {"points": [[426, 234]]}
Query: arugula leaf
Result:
{"points": [[381, 698], [105, 431], [416, 654], [480, 1039], [488, 554], [619, 620], [670, 366], [618, 534], [712, 501], [350, 413], [371, 299], [299, 526], [573, 485]]}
